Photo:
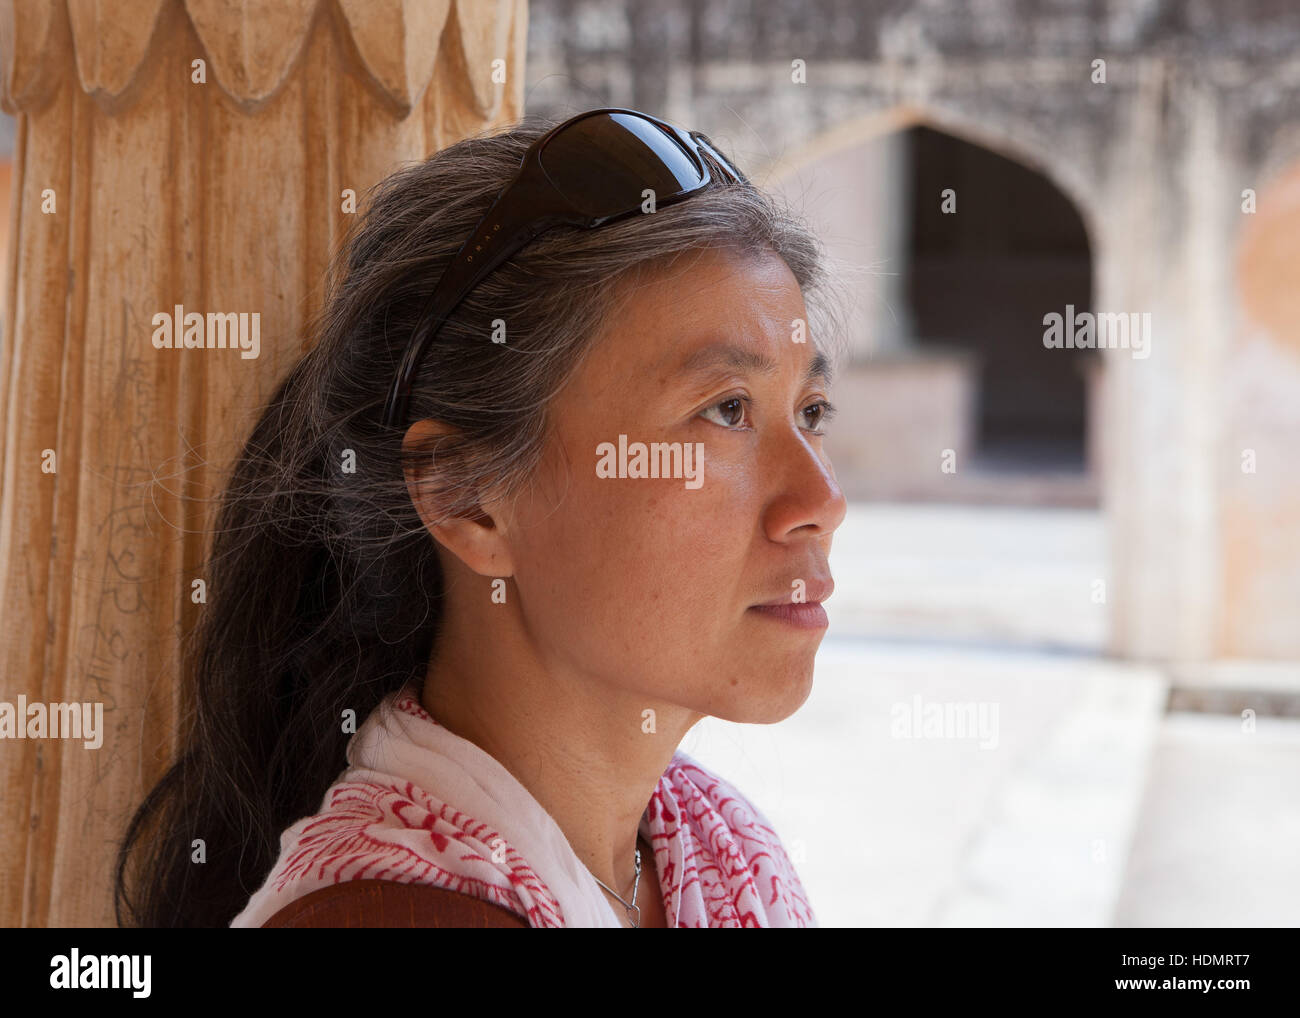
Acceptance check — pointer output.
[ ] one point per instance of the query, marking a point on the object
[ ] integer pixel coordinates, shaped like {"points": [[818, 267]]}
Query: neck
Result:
{"points": [[573, 739]]}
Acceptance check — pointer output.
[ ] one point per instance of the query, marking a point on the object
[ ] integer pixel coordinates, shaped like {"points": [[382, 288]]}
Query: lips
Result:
{"points": [[816, 590]]}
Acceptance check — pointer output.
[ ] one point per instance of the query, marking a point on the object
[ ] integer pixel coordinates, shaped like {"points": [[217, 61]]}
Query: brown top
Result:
{"points": [[383, 903]]}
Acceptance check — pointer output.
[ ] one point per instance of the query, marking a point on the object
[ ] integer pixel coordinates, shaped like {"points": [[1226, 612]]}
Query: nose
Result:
{"points": [[805, 499]]}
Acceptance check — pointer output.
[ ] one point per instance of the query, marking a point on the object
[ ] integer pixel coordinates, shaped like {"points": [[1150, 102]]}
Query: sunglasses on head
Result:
{"points": [[590, 170]]}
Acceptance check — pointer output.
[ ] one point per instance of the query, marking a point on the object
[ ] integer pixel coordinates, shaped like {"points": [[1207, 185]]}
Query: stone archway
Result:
{"points": [[963, 244]]}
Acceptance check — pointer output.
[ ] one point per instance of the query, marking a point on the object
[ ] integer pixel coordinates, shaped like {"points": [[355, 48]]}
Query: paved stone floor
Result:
{"points": [[1218, 836], [1077, 802]]}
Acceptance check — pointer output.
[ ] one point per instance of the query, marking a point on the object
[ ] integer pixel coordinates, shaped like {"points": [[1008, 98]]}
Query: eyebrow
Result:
{"points": [[730, 355]]}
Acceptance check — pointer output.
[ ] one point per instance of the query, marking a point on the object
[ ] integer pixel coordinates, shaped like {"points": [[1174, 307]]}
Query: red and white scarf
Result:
{"points": [[421, 805]]}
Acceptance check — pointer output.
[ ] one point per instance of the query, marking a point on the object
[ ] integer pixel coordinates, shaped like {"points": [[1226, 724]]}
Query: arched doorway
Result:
{"points": [[962, 250], [993, 246]]}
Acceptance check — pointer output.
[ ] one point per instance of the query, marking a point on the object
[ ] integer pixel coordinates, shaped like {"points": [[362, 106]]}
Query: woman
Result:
{"points": [[497, 544]]}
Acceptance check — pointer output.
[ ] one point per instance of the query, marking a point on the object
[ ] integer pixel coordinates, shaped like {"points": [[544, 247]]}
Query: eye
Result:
{"points": [[823, 410], [734, 405]]}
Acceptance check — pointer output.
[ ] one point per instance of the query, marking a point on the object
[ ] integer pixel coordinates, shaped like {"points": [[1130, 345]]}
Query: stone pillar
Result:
{"points": [[854, 188], [195, 153], [1166, 233], [888, 181]]}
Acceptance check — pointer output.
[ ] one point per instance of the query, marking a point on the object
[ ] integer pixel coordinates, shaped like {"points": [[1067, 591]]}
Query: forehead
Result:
{"points": [[703, 298], [723, 281]]}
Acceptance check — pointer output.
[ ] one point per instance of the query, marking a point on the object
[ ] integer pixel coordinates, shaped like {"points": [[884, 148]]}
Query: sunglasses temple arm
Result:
{"points": [[725, 164], [504, 229]]}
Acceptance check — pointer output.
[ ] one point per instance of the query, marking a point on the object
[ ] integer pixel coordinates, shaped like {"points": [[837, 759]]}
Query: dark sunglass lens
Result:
{"points": [[603, 163]]}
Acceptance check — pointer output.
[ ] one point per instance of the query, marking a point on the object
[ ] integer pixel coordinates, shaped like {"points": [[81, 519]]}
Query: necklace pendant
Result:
{"points": [[636, 920]]}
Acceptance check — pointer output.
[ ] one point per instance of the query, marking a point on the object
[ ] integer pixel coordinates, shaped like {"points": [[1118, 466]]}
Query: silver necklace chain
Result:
{"points": [[633, 913]]}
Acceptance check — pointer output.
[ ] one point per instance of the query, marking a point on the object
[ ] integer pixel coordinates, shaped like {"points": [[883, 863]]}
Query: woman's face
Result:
{"points": [[649, 583]]}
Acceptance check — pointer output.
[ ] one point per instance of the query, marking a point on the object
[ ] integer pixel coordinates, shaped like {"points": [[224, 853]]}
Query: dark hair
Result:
{"points": [[324, 583]]}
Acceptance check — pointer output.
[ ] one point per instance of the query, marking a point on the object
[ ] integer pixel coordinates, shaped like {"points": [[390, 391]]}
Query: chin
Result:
{"points": [[769, 694]]}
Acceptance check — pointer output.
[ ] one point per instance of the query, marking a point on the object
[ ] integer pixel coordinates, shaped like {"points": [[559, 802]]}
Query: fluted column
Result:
{"points": [[200, 154]]}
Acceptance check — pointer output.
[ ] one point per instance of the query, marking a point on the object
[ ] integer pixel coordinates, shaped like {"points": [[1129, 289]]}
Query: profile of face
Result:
{"points": [[648, 586]]}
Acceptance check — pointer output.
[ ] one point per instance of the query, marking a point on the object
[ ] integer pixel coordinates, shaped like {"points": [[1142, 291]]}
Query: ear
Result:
{"points": [[478, 540]]}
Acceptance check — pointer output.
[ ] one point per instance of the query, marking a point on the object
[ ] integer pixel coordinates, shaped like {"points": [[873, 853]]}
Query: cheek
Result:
{"points": [[638, 563]]}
